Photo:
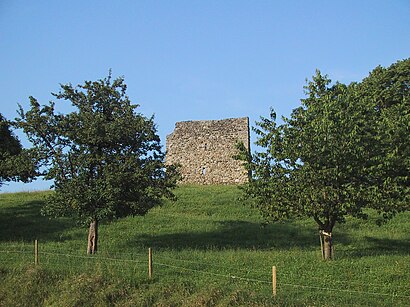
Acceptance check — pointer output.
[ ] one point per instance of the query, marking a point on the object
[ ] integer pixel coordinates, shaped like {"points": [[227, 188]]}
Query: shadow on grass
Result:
{"points": [[378, 247], [247, 235], [25, 223], [238, 235]]}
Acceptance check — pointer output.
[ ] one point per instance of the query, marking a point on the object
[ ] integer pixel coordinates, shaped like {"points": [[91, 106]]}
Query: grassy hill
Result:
{"points": [[208, 249]]}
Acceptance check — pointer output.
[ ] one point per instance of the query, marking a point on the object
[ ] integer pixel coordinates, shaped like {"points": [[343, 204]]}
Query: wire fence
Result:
{"points": [[135, 266]]}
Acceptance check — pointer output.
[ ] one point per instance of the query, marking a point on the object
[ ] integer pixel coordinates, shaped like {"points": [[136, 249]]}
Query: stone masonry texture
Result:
{"points": [[204, 150]]}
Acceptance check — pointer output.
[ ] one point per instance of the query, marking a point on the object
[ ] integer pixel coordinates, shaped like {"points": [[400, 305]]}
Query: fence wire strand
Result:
{"points": [[93, 258], [205, 264], [283, 284], [211, 273], [280, 285]]}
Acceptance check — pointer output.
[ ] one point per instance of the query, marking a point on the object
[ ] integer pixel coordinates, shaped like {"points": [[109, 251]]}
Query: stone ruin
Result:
{"points": [[205, 150]]}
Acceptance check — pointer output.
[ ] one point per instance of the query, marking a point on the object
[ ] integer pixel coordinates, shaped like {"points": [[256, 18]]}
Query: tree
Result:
{"points": [[386, 93], [16, 163], [341, 151], [104, 157]]}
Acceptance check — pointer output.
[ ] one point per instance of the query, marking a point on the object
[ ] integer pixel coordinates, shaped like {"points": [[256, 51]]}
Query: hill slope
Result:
{"points": [[208, 249]]}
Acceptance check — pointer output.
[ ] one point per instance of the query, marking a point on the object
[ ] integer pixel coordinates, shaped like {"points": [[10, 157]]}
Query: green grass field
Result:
{"points": [[208, 249]]}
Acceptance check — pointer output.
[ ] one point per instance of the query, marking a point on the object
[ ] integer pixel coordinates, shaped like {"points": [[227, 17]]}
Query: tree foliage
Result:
{"points": [[386, 93], [104, 157], [16, 163], [344, 149]]}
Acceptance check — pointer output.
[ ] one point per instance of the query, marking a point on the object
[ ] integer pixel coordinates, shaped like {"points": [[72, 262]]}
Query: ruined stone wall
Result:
{"points": [[205, 150]]}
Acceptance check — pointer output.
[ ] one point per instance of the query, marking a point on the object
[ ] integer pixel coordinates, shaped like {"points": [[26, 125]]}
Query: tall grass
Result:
{"points": [[209, 249]]}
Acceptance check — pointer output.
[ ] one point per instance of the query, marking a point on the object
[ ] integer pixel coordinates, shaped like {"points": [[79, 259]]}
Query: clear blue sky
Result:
{"points": [[190, 60]]}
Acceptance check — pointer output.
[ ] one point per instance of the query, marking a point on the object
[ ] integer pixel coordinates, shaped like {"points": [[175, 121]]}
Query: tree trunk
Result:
{"points": [[327, 250], [92, 238], [321, 244]]}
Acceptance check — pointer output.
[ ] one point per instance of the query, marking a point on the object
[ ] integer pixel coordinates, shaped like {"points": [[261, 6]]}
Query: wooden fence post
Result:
{"points": [[150, 263], [274, 280], [36, 252]]}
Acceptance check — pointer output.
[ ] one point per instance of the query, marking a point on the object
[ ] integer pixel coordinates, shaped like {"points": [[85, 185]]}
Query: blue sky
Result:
{"points": [[191, 60]]}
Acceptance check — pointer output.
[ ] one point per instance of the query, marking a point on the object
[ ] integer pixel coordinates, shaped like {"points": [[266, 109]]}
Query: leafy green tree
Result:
{"points": [[16, 163], [104, 157], [344, 149], [386, 94]]}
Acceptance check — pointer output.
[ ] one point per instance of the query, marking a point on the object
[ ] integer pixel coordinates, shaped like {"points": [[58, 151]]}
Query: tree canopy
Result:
{"points": [[16, 163], [386, 95], [104, 157], [344, 149]]}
